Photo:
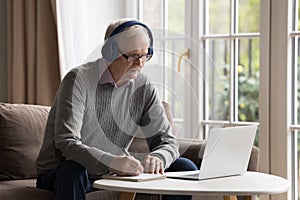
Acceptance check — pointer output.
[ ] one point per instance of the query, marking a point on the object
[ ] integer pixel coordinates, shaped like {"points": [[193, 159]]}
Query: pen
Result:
{"points": [[128, 154], [125, 151]]}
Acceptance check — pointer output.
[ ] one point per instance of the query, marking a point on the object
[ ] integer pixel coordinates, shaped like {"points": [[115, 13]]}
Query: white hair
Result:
{"points": [[128, 32]]}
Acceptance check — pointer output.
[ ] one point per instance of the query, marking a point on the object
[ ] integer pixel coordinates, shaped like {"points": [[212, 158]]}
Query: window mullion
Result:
{"points": [[294, 118], [236, 43], [233, 62], [164, 9]]}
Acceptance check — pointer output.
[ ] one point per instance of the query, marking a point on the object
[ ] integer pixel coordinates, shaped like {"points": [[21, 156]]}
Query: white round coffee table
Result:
{"points": [[250, 183]]}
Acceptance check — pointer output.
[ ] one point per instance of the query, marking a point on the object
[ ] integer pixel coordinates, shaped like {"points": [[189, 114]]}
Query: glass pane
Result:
{"points": [[171, 84], [176, 84], [218, 17], [297, 22], [218, 79], [154, 70], [297, 70], [175, 81], [152, 13], [297, 162], [249, 14], [248, 79], [176, 16]]}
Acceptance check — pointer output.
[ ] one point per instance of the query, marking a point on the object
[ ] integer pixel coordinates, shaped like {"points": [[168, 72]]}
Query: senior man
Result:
{"points": [[98, 109]]}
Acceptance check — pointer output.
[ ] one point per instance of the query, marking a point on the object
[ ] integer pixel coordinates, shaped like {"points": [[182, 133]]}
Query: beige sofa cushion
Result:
{"points": [[21, 134]]}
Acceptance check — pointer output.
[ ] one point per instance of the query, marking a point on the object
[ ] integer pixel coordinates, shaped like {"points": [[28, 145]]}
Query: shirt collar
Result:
{"points": [[106, 78]]}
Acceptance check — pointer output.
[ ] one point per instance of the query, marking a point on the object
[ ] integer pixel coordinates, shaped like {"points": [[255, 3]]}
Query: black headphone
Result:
{"points": [[110, 49]]}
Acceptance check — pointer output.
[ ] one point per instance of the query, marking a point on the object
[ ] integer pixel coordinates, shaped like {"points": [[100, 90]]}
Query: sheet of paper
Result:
{"points": [[141, 177]]}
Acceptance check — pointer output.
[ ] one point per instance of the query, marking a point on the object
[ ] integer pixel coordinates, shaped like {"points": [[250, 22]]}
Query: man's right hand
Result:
{"points": [[126, 166]]}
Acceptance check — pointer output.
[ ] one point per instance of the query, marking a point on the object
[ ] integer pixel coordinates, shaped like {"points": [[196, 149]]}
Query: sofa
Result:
{"points": [[21, 134]]}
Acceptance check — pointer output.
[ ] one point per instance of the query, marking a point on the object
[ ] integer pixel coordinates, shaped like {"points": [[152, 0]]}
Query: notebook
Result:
{"points": [[227, 153], [141, 177]]}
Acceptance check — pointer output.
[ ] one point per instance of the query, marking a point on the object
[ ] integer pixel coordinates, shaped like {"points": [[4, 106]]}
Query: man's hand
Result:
{"points": [[153, 165], [126, 166]]}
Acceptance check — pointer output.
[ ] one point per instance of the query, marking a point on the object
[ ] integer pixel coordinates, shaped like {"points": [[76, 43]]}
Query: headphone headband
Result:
{"points": [[128, 24], [110, 49]]}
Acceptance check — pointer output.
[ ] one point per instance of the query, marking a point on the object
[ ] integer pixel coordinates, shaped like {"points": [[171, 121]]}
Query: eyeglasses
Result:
{"points": [[135, 58]]}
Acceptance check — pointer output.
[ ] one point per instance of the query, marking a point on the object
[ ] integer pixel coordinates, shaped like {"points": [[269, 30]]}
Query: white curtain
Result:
{"points": [[81, 28]]}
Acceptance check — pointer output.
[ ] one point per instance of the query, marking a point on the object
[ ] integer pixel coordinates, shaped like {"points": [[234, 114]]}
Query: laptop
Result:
{"points": [[227, 153]]}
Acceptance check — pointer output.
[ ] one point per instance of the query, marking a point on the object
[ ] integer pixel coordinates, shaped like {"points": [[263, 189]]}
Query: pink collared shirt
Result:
{"points": [[106, 77]]}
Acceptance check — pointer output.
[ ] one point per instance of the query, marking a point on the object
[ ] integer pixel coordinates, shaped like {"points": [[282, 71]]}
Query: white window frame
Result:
{"points": [[295, 127], [275, 100]]}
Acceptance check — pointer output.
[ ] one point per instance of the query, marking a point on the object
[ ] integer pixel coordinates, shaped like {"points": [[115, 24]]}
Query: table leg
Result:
{"points": [[229, 198], [248, 198], [127, 195]]}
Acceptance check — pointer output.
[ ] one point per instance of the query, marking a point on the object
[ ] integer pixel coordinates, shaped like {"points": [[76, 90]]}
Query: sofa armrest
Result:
{"points": [[254, 159], [190, 149]]}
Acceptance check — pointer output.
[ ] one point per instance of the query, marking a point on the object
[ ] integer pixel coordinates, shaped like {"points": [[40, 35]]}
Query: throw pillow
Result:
{"points": [[22, 129]]}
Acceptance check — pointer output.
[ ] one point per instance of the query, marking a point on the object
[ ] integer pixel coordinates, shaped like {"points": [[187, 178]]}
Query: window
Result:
{"points": [[252, 48], [226, 89], [231, 39]]}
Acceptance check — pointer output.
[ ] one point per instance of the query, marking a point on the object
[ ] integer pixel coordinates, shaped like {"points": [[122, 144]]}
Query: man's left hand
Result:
{"points": [[153, 165]]}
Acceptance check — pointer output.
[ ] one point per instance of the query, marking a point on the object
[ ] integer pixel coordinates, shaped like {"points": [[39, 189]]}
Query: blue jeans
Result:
{"points": [[69, 180]]}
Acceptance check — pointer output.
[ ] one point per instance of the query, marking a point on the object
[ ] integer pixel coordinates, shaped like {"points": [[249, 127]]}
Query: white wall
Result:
{"points": [[3, 51], [100, 15]]}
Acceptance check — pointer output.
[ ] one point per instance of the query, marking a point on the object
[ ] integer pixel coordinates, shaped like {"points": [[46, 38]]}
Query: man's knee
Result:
{"points": [[71, 169], [182, 164], [71, 181]]}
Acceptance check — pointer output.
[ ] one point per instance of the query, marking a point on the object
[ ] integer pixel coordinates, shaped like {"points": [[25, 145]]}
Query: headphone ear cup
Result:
{"points": [[150, 50], [106, 50], [114, 50], [110, 50]]}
